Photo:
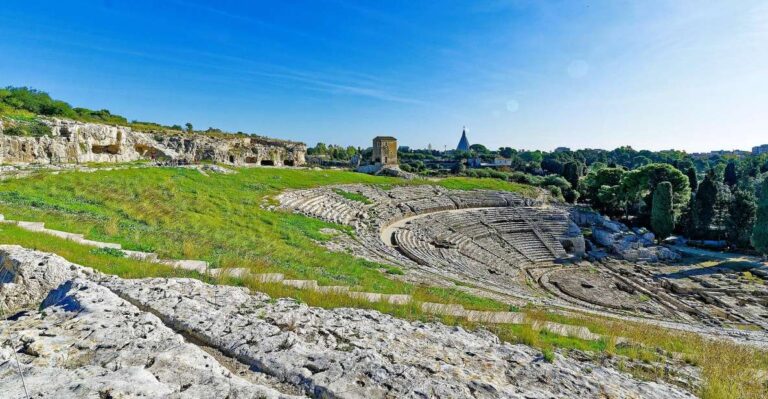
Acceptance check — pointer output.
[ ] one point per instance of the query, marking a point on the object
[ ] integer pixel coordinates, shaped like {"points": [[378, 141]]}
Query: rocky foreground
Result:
{"points": [[77, 333]]}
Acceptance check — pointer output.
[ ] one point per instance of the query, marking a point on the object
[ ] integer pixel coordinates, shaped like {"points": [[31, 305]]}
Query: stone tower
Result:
{"points": [[463, 143], [385, 150]]}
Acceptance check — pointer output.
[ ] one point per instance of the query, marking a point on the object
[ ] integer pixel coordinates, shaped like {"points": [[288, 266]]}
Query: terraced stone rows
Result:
{"points": [[450, 237], [491, 317], [533, 245]]}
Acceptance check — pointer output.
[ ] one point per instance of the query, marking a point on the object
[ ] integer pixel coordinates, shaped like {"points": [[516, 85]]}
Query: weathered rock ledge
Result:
{"points": [[79, 142], [79, 333]]}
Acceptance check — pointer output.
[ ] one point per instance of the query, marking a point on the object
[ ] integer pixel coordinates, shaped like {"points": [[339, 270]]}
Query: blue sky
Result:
{"points": [[679, 74]]}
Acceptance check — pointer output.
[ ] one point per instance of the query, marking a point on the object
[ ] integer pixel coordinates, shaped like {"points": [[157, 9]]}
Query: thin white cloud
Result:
{"points": [[317, 81]]}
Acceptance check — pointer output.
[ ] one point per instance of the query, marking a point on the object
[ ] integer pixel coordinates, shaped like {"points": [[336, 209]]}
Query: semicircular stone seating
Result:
{"points": [[485, 235]]}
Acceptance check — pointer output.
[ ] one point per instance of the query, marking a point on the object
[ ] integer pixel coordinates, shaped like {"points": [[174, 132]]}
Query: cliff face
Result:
{"points": [[78, 142]]}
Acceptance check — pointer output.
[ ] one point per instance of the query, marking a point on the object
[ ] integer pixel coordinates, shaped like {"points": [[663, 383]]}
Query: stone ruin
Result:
{"points": [[77, 142], [481, 236], [383, 160], [520, 250]]}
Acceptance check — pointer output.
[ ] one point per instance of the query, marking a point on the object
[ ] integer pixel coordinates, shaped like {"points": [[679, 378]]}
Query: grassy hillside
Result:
{"points": [[181, 213]]}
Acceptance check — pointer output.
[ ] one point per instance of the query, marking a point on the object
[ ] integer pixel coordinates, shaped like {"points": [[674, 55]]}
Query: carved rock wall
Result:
{"points": [[78, 142]]}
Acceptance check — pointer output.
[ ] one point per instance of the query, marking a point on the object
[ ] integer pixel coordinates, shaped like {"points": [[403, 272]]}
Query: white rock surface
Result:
{"points": [[79, 142], [88, 341]]}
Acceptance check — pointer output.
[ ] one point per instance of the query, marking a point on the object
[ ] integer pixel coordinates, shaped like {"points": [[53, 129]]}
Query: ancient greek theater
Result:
{"points": [[520, 249]]}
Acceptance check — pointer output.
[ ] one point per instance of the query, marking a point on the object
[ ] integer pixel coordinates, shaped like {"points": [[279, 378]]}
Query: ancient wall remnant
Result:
{"points": [[78, 142]]}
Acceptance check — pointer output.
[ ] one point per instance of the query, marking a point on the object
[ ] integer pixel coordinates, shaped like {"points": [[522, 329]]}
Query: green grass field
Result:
{"points": [[181, 213]]}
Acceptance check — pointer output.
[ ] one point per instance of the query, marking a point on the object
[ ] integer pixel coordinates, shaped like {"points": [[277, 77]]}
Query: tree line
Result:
{"points": [[703, 197]]}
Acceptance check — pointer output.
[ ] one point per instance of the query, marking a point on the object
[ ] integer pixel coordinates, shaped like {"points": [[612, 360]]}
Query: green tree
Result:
{"points": [[320, 149], [730, 176], [458, 167], [743, 209], [662, 214], [641, 161], [612, 200], [601, 188], [461, 155], [351, 151], [478, 149], [760, 231], [693, 180], [638, 186], [551, 165], [190, 128], [572, 171], [506, 152], [571, 196], [596, 166], [704, 206]]}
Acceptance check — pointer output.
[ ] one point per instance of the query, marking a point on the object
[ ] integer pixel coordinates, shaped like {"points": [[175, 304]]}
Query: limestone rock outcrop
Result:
{"points": [[79, 142], [629, 244], [93, 335]]}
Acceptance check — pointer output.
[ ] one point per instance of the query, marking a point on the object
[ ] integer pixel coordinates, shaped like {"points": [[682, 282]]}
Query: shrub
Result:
{"points": [[39, 129], [109, 252], [14, 131], [25, 129]]}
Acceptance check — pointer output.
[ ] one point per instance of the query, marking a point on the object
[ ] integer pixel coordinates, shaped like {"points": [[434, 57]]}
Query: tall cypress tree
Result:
{"points": [[662, 215], [760, 231], [692, 179], [571, 172], [704, 206], [743, 209], [731, 177]]}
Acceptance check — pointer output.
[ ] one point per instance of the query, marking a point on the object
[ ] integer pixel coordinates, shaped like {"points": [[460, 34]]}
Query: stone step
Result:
{"points": [[78, 238], [443, 309], [99, 244], [337, 289], [186, 264], [31, 226], [145, 256], [301, 284], [495, 317], [566, 330], [236, 272], [395, 299], [367, 296], [64, 235], [269, 277], [398, 299]]}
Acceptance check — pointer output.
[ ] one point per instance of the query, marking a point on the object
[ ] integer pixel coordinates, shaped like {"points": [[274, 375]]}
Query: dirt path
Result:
{"points": [[719, 255]]}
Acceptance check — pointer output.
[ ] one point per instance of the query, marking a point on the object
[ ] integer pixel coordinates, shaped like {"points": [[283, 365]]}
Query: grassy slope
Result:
{"points": [[183, 214], [180, 213]]}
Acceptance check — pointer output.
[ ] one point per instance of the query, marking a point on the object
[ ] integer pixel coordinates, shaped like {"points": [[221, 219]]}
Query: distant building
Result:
{"points": [[722, 153], [463, 143], [562, 149], [499, 161], [759, 150], [478, 162], [385, 150]]}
